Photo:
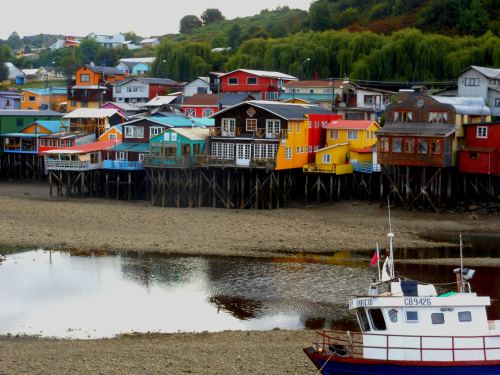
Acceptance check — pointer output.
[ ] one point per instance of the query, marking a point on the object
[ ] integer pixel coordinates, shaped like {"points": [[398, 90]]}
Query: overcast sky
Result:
{"points": [[145, 17]]}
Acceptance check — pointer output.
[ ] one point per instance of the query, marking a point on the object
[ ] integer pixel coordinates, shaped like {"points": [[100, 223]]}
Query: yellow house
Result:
{"points": [[292, 151], [350, 145], [37, 99]]}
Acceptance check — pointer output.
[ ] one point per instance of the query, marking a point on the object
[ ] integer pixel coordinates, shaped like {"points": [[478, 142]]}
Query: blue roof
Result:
{"points": [[307, 96], [182, 121], [48, 91], [53, 126], [131, 147]]}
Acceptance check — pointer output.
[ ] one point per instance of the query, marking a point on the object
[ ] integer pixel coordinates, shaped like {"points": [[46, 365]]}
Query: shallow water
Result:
{"points": [[64, 294]]}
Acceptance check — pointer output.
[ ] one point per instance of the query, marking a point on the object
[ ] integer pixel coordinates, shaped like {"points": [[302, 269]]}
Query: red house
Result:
{"points": [[63, 140], [262, 85], [482, 149], [205, 105], [316, 134]]}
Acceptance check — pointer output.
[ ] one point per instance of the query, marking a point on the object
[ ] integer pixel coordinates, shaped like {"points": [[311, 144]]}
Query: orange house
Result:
{"points": [[112, 134], [92, 86], [39, 99]]}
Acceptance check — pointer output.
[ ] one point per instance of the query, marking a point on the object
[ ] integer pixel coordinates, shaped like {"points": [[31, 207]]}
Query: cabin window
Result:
{"points": [[251, 81], [334, 134], [412, 317], [273, 128], [251, 125], [118, 89], [393, 315], [437, 318], [423, 146], [482, 132], [383, 144], [228, 127], [377, 318], [403, 116], [363, 320], [327, 158], [438, 117], [464, 316], [232, 81], [409, 145], [288, 153], [397, 144], [84, 78], [436, 146], [352, 134]]}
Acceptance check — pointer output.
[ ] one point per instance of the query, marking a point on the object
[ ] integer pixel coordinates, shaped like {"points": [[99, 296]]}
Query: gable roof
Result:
{"points": [[227, 99], [465, 105], [287, 111], [48, 91], [87, 147], [151, 81], [264, 73], [350, 124], [158, 101], [104, 69], [34, 113], [52, 126], [313, 83], [93, 113], [488, 72]]}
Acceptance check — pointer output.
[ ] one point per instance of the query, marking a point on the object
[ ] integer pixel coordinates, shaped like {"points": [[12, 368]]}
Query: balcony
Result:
{"points": [[123, 165], [174, 162], [328, 168], [71, 165]]}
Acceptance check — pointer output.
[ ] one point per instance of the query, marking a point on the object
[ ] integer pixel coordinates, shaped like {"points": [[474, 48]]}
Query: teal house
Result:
{"points": [[177, 147]]}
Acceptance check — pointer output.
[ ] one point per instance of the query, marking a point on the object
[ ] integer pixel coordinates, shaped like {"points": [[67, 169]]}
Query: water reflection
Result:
{"points": [[88, 295]]}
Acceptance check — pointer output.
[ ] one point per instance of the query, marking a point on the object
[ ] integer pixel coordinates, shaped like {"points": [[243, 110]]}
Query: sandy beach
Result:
{"points": [[29, 218]]}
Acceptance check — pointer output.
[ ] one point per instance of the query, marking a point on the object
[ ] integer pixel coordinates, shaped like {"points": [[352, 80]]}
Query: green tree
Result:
{"points": [[106, 57], [132, 36], [88, 49], [474, 19], [14, 41], [5, 56], [320, 15], [211, 15], [233, 36], [189, 23]]}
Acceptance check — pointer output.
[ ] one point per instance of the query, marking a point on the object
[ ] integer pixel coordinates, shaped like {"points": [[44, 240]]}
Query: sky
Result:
{"points": [[145, 17]]}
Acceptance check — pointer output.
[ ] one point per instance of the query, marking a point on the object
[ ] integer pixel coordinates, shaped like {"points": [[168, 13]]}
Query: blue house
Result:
{"points": [[26, 141], [10, 100]]}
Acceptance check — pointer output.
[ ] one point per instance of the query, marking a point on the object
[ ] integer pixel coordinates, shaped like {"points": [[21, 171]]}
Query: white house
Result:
{"points": [[149, 42], [109, 41], [139, 90], [477, 81], [370, 98], [14, 72], [137, 66], [200, 85]]}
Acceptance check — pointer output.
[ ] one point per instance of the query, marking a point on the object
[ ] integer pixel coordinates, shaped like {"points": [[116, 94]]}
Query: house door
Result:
{"points": [[243, 155]]}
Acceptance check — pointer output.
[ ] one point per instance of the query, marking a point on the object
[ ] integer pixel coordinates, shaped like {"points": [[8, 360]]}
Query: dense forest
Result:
{"points": [[398, 40]]}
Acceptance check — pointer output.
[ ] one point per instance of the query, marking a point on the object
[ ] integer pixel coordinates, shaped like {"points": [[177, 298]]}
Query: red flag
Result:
{"points": [[374, 260]]}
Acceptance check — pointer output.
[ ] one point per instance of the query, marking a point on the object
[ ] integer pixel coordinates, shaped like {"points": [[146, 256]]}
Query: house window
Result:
{"points": [[409, 145], [73, 103], [295, 91], [423, 146], [471, 81], [118, 89], [438, 117], [397, 145], [497, 102], [223, 150], [327, 158], [436, 146], [31, 98], [464, 316], [288, 153], [85, 104], [19, 122], [68, 143], [298, 150], [377, 318], [190, 112], [121, 155], [473, 155], [297, 127], [310, 148], [201, 90], [273, 128], [316, 124], [271, 95], [403, 116], [134, 132], [334, 134], [153, 131], [251, 125], [369, 99], [232, 81], [482, 132], [352, 134], [251, 81], [383, 144], [437, 318], [141, 157], [84, 78], [207, 112], [412, 317], [112, 137], [228, 127], [309, 124]]}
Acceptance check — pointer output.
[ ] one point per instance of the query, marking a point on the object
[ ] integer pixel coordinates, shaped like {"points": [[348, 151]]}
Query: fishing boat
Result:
{"points": [[407, 328]]}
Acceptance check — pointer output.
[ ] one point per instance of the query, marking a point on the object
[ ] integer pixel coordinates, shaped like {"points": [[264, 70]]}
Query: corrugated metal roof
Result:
{"points": [[148, 80], [48, 91], [488, 72], [264, 73], [465, 105], [92, 113], [307, 97], [194, 134], [104, 69], [417, 129], [132, 147], [52, 126], [41, 113], [88, 147], [158, 101]]}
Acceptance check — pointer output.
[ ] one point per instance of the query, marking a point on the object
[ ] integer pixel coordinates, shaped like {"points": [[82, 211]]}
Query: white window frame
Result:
{"points": [[273, 128], [190, 112], [352, 135], [288, 153], [326, 158], [334, 134], [482, 132], [228, 127], [154, 131], [251, 129], [121, 156], [232, 84], [272, 95], [207, 112], [141, 157]]}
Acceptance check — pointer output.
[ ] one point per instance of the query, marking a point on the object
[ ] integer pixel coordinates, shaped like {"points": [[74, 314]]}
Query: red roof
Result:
{"points": [[209, 100], [349, 124], [367, 150], [88, 147]]}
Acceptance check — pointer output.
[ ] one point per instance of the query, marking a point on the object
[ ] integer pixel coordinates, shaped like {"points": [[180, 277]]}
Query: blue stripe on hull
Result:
{"points": [[337, 368]]}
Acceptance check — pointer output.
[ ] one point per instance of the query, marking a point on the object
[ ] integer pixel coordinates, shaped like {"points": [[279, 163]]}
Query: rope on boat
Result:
{"points": [[322, 367]]}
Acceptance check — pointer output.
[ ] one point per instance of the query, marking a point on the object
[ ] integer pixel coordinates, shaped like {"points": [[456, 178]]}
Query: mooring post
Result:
{"points": [[129, 185]]}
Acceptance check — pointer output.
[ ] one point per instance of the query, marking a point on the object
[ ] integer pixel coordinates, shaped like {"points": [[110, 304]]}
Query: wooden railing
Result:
{"points": [[424, 348]]}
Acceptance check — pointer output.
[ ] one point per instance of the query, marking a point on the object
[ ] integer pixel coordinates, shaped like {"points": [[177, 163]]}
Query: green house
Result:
{"points": [[13, 120], [177, 147]]}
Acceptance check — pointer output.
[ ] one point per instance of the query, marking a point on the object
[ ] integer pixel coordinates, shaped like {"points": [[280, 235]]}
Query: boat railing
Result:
{"points": [[408, 347]]}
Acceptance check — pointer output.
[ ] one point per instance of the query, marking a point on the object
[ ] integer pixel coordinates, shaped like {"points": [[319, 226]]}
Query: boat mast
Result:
{"points": [[461, 266], [390, 235]]}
